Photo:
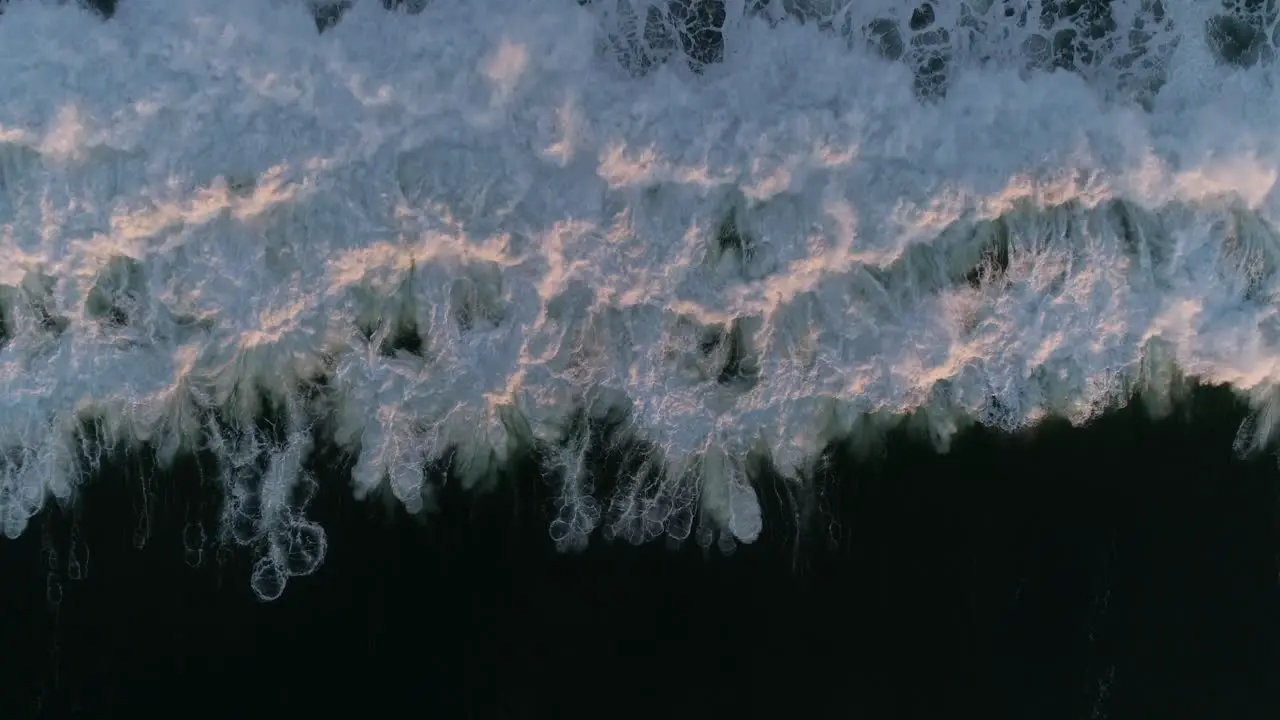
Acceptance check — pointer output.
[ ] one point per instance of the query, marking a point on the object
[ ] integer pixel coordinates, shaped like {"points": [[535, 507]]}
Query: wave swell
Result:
{"points": [[465, 230]]}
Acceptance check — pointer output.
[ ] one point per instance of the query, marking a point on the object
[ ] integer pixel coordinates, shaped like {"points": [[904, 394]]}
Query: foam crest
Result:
{"points": [[457, 234]]}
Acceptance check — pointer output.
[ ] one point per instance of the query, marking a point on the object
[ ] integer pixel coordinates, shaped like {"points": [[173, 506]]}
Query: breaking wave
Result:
{"points": [[466, 229]]}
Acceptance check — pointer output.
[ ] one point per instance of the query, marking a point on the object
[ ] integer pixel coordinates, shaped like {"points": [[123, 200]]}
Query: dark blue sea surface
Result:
{"points": [[1123, 570]]}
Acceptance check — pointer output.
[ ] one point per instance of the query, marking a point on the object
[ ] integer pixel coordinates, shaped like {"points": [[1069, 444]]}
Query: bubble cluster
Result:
{"points": [[267, 491]]}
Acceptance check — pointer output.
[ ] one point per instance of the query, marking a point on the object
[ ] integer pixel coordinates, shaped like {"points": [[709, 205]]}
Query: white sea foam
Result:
{"points": [[205, 204]]}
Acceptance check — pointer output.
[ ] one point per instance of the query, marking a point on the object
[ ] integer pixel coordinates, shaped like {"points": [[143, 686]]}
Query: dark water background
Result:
{"points": [[1126, 570]]}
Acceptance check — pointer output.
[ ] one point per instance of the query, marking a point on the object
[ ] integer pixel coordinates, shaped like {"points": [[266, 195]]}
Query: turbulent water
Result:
{"points": [[724, 233]]}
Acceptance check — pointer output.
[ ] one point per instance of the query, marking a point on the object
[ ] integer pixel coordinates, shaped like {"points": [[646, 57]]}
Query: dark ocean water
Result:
{"points": [[1124, 570]]}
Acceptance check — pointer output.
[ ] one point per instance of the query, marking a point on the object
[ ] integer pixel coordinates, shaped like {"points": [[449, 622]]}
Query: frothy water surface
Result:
{"points": [[461, 229]]}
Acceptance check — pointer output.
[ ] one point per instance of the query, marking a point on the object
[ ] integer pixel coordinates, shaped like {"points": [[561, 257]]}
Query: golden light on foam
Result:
{"points": [[275, 322], [620, 169], [701, 176], [270, 191], [827, 155], [364, 264], [767, 180], [505, 67], [568, 127], [1251, 180], [206, 205], [67, 135], [16, 136], [925, 220]]}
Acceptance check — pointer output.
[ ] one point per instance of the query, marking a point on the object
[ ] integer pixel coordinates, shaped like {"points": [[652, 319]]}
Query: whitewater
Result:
{"points": [[463, 229]]}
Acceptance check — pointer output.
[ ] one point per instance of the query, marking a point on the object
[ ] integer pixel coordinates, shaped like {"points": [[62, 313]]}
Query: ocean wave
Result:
{"points": [[465, 231]]}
